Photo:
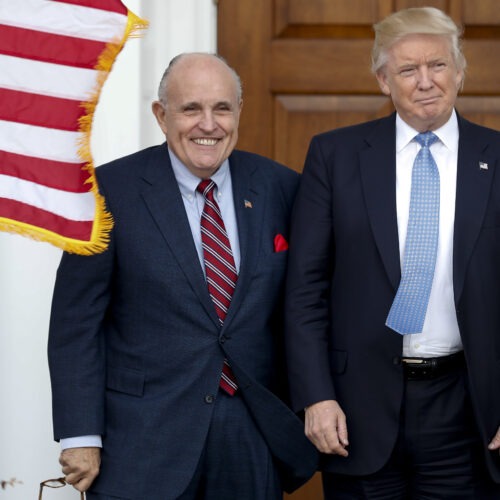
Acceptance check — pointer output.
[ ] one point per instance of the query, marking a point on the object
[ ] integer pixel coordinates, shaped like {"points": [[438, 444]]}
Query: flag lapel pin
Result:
{"points": [[248, 204], [483, 165]]}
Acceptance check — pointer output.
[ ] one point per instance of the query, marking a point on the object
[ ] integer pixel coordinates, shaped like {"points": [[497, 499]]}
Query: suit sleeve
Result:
{"points": [[76, 348], [310, 271]]}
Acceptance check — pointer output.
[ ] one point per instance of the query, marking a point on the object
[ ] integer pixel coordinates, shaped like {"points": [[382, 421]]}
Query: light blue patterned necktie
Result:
{"points": [[408, 310]]}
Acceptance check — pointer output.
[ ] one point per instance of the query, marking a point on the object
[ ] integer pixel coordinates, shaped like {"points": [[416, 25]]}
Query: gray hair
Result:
{"points": [[162, 88], [417, 20]]}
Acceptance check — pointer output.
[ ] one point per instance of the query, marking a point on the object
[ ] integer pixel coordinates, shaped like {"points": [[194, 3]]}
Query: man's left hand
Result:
{"points": [[495, 442]]}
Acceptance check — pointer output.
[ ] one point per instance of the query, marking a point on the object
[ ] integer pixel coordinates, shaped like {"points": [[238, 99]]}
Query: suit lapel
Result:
{"points": [[249, 204], [378, 176], [472, 194], [164, 201]]}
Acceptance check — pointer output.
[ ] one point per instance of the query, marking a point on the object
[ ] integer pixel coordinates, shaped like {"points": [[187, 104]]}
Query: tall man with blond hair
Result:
{"points": [[393, 293]]}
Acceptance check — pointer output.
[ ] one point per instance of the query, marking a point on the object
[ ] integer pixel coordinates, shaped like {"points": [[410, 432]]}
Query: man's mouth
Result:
{"points": [[206, 142], [428, 100]]}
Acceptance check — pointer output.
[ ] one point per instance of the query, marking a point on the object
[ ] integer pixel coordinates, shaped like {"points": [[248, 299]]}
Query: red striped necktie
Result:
{"points": [[220, 268]]}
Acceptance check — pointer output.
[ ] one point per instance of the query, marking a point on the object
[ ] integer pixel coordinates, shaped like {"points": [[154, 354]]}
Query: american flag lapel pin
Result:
{"points": [[248, 204], [483, 165]]}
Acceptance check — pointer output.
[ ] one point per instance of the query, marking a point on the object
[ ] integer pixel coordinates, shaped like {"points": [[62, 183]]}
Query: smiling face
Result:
{"points": [[201, 113], [422, 79]]}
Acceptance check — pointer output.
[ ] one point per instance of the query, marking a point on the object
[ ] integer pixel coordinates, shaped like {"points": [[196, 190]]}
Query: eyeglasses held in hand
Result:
{"points": [[55, 483]]}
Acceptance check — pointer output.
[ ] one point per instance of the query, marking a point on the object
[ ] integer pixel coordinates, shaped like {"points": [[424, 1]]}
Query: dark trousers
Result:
{"points": [[236, 463], [438, 454]]}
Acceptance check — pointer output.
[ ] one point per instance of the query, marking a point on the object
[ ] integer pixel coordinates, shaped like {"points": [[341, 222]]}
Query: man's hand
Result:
{"points": [[80, 466], [326, 427], [495, 442]]}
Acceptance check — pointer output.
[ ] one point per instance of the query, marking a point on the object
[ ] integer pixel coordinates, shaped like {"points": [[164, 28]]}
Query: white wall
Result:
{"points": [[123, 124]]}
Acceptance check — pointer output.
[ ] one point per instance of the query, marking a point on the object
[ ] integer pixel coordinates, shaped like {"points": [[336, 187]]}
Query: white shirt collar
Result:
{"points": [[448, 133], [188, 182]]}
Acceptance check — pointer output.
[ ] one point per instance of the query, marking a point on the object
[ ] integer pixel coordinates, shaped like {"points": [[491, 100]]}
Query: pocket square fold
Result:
{"points": [[280, 244]]}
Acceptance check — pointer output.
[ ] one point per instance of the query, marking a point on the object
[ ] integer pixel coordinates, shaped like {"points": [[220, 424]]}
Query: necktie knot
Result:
{"points": [[426, 139], [206, 188]]}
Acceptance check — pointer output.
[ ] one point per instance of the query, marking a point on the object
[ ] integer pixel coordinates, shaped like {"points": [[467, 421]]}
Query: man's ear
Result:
{"points": [[382, 82], [159, 111]]}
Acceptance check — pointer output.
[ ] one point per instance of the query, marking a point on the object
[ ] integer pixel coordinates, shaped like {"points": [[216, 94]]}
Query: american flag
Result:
{"points": [[55, 56]]}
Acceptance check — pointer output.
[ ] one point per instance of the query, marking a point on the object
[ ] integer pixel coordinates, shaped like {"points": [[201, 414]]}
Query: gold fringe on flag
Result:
{"points": [[103, 221]]}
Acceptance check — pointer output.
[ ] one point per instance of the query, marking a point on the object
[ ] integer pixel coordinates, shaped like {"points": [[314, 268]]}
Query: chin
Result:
{"points": [[205, 170]]}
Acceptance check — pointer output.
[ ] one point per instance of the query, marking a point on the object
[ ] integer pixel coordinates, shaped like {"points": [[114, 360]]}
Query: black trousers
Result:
{"points": [[236, 463], [438, 454]]}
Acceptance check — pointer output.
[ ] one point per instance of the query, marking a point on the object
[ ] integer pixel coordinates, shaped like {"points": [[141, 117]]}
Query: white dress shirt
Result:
{"points": [[193, 203], [440, 335]]}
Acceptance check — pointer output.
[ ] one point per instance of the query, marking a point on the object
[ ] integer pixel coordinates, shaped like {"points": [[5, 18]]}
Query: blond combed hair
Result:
{"points": [[413, 21]]}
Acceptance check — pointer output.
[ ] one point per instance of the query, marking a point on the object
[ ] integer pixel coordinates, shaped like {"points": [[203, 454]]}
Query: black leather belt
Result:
{"points": [[428, 368]]}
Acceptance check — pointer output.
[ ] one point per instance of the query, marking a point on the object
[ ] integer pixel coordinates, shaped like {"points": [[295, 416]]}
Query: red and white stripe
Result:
{"points": [[220, 268], [227, 379], [49, 51]]}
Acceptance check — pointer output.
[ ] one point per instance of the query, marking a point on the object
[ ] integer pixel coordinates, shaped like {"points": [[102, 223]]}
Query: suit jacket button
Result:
{"points": [[209, 399], [223, 338]]}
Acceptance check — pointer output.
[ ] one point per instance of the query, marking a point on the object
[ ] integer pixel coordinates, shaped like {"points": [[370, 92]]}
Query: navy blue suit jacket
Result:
{"points": [[344, 270], [135, 345]]}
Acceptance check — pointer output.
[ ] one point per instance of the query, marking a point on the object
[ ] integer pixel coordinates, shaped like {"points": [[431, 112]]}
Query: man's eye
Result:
{"points": [[440, 65], [407, 71]]}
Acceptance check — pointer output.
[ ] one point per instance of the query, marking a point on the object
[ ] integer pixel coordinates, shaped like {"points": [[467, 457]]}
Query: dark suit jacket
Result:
{"points": [[344, 271], [135, 346]]}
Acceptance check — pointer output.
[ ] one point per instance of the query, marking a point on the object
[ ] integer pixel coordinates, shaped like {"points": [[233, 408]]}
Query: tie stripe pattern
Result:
{"points": [[408, 311], [227, 379], [220, 268]]}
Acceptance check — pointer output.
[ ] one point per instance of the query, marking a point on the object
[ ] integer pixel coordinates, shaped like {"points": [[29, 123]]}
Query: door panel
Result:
{"points": [[333, 12], [294, 114]]}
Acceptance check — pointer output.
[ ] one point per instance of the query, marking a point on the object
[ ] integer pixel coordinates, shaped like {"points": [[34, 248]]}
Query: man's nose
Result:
{"points": [[424, 77], [207, 121]]}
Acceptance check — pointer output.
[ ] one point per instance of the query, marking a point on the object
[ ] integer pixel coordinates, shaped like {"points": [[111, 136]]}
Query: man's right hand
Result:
{"points": [[325, 426], [80, 466]]}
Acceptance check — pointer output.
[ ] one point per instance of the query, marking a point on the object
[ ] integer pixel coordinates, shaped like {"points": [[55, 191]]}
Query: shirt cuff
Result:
{"points": [[81, 442]]}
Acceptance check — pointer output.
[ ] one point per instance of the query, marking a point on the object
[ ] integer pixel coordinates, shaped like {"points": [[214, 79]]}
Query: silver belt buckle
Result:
{"points": [[412, 361]]}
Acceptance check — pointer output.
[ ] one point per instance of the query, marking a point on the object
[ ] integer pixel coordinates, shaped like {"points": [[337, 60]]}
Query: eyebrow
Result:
{"points": [[197, 104], [416, 63], [228, 104], [190, 104]]}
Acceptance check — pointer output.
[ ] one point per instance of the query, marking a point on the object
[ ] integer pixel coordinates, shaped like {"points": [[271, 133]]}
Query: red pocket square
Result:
{"points": [[280, 244]]}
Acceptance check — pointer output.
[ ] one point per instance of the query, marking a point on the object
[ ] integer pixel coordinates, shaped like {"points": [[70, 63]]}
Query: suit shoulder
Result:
{"points": [[469, 127], [475, 135], [129, 165], [263, 162], [274, 176], [353, 132], [270, 170]]}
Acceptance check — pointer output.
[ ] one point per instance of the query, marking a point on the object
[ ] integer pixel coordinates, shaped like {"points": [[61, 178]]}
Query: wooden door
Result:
{"points": [[305, 67]]}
